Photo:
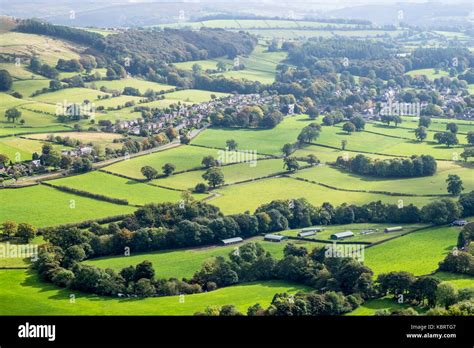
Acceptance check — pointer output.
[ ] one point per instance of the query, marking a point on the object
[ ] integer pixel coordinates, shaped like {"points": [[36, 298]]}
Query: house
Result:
{"points": [[85, 150], [342, 235], [393, 229], [230, 241], [36, 163], [71, 153], [459, 223], [274, 237]]}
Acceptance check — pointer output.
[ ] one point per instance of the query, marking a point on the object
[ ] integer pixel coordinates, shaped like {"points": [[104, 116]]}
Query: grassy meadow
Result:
{"points": [[116, 187], [41, 298], [44, 206]]}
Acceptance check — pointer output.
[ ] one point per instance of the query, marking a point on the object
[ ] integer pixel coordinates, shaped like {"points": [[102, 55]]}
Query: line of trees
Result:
{"points": [[415, 166]]}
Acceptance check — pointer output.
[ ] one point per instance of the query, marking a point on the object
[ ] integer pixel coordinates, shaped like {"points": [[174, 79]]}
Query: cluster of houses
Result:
{"points": [[78, 152], [189, 115]]}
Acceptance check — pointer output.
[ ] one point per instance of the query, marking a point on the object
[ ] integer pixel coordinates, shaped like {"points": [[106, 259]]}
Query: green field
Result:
{"points": [[46, 48], [116, 187], [183, 157], [7, 131], [23, 260], [117, 101], [429, 73], [249, 196], [418, 253], [232, 174], [459, 281], [264, 141], [377, 143], [193, 95], [18, 149], [435, 184], [19, 71], [409, 134], [27, 87], [141, 85], [40, 298], [325, 154], [370, 307], [184, 263], [437, 125], [70, 95], [44, 206]]}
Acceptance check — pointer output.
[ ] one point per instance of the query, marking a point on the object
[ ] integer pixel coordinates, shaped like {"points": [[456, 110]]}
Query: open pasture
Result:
{"points": [[382, 144], [19, 149], [429, 73], [232, 174], [264, 141], [249, 196], [418, 253], [44, 206], [435, 184], [193, 95], [405, 132], [116, 187], [141, 85], [41, 298], [69, 95], [183, 157], [48, 49], [27, 87], [183, 263], [19, 71]]}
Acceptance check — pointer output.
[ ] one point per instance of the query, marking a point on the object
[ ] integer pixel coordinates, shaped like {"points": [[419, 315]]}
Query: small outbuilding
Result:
{"points": [[230, 241], [274, 237], [459, 223], [342, 235], [393, 229]]}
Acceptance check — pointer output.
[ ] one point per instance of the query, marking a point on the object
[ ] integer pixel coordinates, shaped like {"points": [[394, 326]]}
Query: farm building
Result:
{"points": [[342, 235], [364, 232], [230, 241], [311, 229], [274, 237], [393, 229], [459, 223], [306, 234]]}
